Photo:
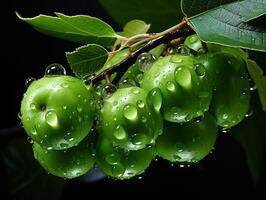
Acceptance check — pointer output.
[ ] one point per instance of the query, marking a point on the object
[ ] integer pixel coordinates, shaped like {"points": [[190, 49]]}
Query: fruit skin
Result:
{"points": [[69, 163], [231, 97], [186, 94], [57, 111], [129, 118], [188, 142], [119, 163]]}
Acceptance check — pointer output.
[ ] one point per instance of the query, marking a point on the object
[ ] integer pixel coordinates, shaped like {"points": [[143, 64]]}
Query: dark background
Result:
{"points": [[25, 52]]}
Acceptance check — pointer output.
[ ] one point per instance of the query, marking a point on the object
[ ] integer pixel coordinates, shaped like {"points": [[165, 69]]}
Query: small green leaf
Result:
{"points": [[79, 28], [87, 59], [160, 14], [228, 22], [135, 27], [256, 74]]}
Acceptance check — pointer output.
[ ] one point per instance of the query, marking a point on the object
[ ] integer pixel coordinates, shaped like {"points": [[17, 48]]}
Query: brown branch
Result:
{"points": [[182, 30]]}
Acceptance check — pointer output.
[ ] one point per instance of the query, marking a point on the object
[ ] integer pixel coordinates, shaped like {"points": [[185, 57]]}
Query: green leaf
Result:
{"points": [[87, 59], [26, 178], [256, 74], [79, 28], [251, 135], [135, 27], [222, 22], [160, 14]]}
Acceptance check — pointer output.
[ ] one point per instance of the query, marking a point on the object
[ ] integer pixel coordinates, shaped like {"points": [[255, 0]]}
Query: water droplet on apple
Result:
{"points": [[140, 104], [127, 82], [130, 112], [170, 86], [29, 81], [155, 98], [119, 132], [144, 61], [51, 118], [108, 90], [55, 69]]}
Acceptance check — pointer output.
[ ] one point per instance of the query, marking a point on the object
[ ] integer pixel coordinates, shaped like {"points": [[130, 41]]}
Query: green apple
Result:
{"points": [[120, 163], [188, 142], [131, 118], [69, 163], [57, 111]]}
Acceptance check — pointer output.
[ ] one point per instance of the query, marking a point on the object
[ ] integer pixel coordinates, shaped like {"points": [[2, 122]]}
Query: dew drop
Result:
{"points": [[139, 78], [135, 90], [250, 112], [182, 49], [198, 119], [113, 158], [108, 90], [130, 112], [64, 85], [176, 59], [87, 80], [79, 109], [225, 130], [118, 170], [64, 107], [49, 148], [51, 118], [193, 38], [32, 106], [170, 86], [19, 115], [143, 119], [252, 85], [34, 131], [225, 116], [127, 82], [140, 104], [63, 145], [183, 77], [177, 157], [144, 61], [155, 98], [30, 140], [155, 159], [200, 69], [29, 81], [170, 50], [139, 139], [55, 69], [119, 132], [244, 92]]}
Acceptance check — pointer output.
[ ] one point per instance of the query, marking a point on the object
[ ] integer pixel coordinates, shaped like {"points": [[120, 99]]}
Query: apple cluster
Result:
{"points": [[168, 104]]}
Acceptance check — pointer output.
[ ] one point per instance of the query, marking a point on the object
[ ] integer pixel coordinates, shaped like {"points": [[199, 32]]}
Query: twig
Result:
{"points": [[181, 30]]}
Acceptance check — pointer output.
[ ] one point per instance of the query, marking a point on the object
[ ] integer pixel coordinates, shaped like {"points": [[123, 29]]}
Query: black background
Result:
{"points": [[25, 52]]}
